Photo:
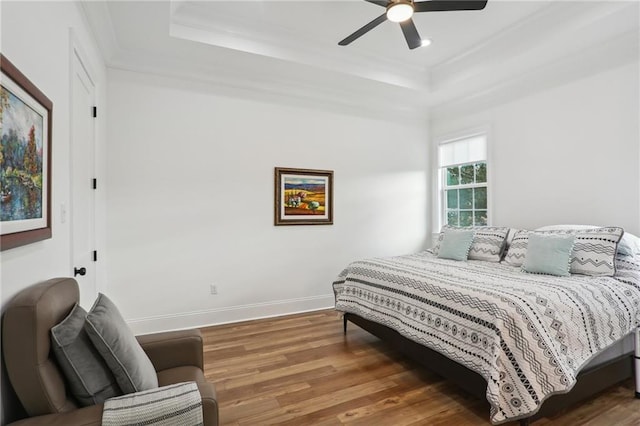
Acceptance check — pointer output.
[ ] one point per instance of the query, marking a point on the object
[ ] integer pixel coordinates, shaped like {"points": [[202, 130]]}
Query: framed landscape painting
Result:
{"points": [[25, 160], [303, 197]]}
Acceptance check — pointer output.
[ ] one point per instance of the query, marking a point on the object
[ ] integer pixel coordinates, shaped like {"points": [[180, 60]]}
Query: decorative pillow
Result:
{"points": [[593, 254], [630, 263], [507, 241], [456, 244], [488, 242], [549, 254], [118, 346], [90, 380], [567, 227], [517, 248], [172, 405], [629, 245]]}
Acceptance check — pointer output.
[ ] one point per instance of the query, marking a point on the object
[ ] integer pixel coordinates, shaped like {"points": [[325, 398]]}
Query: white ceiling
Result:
{"points": [[289, 49]]}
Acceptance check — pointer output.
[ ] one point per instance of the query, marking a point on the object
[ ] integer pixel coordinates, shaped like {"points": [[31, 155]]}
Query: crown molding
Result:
{"points": [[514, 62], [234, 74], [191, 21], [97, 14], [409, 110], [555, 27], [610, 54]]}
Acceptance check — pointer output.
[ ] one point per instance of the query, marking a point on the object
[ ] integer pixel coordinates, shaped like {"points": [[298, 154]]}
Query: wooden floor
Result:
{"points": [[302, 370]]}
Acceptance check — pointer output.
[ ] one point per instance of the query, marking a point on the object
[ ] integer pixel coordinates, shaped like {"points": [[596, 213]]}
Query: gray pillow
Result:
{"points": [[90, 379], [488, 244], [118, 346], [593, 254]]}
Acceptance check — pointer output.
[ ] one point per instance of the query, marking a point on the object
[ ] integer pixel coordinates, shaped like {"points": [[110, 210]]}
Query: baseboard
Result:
{"points": [[217, 316]]}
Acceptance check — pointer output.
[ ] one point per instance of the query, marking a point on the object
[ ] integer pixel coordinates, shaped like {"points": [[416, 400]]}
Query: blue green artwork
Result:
{"points": [[21, 159]]}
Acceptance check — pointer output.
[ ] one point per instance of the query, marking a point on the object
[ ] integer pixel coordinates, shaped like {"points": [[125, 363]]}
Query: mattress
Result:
{"points": [[622, 347], [528, 335]]}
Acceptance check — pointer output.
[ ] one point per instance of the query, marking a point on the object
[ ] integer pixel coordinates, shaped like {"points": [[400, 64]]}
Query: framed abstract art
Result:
{"points": [[303, 197]]}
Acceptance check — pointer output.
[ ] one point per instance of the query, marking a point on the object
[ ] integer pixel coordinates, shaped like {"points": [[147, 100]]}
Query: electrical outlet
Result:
{"points": [[214, 289]]}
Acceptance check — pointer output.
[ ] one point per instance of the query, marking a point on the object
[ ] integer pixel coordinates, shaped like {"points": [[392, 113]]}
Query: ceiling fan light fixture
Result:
{"points": [[400, 11]]}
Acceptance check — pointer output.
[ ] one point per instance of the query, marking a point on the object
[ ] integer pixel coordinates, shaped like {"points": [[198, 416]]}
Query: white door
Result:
{"points": [[82, 175]]}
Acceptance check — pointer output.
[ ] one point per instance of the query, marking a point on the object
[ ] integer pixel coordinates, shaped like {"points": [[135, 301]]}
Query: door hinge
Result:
{"points": [[94, 183], [95, 111], [95, 255]]}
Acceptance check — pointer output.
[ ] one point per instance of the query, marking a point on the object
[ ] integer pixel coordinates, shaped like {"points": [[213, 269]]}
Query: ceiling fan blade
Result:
{"points": [[411, 33], [382, 3], [447, 5], [362, 31]]}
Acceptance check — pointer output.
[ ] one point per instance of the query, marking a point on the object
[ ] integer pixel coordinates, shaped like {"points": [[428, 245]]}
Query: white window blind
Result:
{"points": [[463, 181], [461, 151]]}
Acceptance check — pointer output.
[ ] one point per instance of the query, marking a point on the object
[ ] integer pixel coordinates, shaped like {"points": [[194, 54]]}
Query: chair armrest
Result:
{"points": [[209, 404], [173, 349], [87, 416]]}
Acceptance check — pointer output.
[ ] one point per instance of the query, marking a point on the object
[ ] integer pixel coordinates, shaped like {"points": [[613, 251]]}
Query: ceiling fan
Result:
{"points": [[401, 11]]}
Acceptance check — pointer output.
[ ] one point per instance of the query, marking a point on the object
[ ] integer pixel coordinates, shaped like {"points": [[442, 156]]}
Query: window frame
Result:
{"points": [[439, 201], [445, 187]]}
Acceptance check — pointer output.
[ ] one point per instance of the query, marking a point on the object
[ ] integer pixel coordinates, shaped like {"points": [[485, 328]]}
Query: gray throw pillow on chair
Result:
{"points": [[89, 378], [118, 346]]}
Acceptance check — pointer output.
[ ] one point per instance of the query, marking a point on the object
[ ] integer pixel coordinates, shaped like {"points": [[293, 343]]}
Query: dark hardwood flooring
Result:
{"points": [[302, 370]]}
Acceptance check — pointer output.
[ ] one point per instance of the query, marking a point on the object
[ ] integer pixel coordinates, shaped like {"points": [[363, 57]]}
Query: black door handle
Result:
{"points": [[79, 271]]}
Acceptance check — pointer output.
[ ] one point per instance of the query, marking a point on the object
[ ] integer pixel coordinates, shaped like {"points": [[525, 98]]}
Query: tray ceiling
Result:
{"points": [[290, 48]]}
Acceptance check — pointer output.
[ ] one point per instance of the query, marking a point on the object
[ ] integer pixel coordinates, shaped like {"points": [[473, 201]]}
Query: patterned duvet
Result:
{"points": [[527, 335]]}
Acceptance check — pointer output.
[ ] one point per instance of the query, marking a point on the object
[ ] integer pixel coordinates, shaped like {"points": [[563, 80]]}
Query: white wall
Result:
{"points": [[565, 155], [190, 201], [35, 37]]}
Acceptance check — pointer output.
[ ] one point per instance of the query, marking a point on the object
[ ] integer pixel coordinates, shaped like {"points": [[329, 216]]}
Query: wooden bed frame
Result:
{"points": [[590, 381]]}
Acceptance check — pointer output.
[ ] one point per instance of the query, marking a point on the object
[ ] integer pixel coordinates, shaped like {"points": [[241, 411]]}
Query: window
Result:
{"points": [[463, 181]]}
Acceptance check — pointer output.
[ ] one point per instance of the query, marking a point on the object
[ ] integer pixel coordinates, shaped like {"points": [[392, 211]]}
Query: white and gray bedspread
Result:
{"points": [[527, 335]]}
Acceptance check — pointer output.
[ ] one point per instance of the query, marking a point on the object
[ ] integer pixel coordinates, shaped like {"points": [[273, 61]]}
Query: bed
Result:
{"points": [[517, 339]]}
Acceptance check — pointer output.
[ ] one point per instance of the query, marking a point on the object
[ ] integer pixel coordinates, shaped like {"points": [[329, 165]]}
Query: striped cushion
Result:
{"points": [[593, 254], [488, 242], [173, 405]]}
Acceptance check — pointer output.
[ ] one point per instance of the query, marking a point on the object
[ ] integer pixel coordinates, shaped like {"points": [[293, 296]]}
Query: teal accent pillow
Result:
{"points": [[456, 244], [549, 254]]}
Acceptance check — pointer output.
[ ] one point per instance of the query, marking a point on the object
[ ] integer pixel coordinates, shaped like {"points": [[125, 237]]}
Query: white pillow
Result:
{"points": [[629, 245]]}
